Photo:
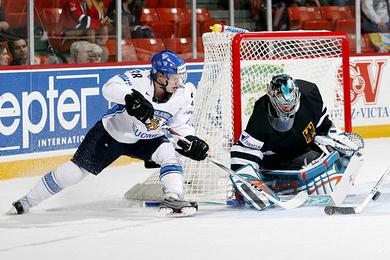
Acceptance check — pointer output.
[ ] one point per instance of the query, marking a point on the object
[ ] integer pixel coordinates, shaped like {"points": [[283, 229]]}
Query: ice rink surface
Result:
{"points": [[92, 220]]}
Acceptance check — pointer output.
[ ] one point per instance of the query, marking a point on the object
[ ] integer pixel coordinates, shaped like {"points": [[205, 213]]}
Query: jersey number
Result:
{"points": [[136, 74]]}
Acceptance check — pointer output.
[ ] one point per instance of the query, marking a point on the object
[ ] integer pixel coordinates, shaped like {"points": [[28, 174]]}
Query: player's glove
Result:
{"points": [[139, 107], [342, 138], [196, 150]]}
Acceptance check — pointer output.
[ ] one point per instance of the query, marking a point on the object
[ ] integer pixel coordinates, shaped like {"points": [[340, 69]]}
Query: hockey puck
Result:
{"points": [[328, 210], [376, 195]]}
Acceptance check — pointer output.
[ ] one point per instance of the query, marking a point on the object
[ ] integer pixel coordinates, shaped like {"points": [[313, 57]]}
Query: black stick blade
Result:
{"points": [[330, 210]]}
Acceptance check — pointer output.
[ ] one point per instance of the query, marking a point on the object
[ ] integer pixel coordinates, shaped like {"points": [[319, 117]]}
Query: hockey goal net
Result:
{"points": [[237, 69]]}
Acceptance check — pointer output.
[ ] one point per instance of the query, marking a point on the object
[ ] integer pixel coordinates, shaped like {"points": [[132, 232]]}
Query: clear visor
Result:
{"points": [[287, 103], [176, 79]]}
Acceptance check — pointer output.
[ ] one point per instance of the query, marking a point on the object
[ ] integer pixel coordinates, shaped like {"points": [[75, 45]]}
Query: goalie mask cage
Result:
{"points": [[237, 70]]}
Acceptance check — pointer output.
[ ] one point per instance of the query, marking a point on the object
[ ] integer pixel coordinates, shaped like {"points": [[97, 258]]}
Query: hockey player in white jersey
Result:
{"points": [[145, 100]]}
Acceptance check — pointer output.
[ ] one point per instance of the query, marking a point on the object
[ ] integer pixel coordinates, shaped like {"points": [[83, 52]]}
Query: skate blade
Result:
{"points": [[169, 213], [12, 211]]}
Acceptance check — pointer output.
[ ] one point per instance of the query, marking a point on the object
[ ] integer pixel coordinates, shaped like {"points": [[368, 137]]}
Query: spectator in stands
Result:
{"points": [[97, 12], [96, 53], [4, 57], [131, 13], [80, 52], [81, 18], [258, 9], [376, 16], [19, 51]]}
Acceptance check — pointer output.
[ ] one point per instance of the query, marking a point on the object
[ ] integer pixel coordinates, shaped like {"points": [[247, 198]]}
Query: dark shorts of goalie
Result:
{"points": [[98, 149]]}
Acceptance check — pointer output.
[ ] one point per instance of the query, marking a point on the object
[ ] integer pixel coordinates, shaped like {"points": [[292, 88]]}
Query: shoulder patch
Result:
{"points": [[247, 140]]}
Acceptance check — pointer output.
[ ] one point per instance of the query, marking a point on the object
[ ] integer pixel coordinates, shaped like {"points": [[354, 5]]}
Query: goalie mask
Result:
{"points": [[171, 66], [284, 96]]}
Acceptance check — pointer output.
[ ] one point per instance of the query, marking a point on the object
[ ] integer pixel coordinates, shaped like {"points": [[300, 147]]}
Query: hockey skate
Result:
{"points": [[21, 206], [173, 206]]}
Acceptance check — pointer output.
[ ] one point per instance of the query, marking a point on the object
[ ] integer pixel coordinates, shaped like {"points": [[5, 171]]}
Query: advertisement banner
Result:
{"points": [[370, 91], [48, 112]]}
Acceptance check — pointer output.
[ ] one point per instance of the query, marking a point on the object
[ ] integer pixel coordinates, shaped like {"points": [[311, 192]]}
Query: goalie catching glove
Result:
{"points": [[346, 143], [342, 138], [139, 107], [195, 148]]}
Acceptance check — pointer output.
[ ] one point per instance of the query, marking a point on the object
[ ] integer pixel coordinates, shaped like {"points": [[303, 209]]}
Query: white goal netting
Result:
{"points": [[235, 74]]}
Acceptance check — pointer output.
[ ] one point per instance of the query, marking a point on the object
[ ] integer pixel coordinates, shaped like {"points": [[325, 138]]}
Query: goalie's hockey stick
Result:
{"points": [[254, 192], [372, 195]]}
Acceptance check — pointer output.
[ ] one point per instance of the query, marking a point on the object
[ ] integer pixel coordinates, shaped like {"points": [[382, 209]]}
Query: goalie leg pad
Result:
{"points": [[250, 174], [319, 177]]}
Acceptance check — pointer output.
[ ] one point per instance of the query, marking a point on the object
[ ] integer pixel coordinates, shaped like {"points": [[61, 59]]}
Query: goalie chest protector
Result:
{"points": [[311, 119]]}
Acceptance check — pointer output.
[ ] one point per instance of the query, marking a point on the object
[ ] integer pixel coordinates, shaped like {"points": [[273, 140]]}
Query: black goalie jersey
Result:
{"points": [[264, 147]]}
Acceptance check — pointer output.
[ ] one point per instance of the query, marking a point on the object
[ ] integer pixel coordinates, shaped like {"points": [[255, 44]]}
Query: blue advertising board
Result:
{"points": [[47, 110]]}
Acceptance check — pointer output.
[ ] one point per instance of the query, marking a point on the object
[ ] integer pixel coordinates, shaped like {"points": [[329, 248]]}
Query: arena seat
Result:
{"points": [[366, 46], [150, 3], [111, 49], [298, 14], [16, 19], [202, 14], [171, 14], [177, 17], [316, 25], [148, 15], [162, 29], [181, 46], [146, 48], [333, 13], [14, 6], [51, 20], [49, 3], [128, 51], [172, 3], [346, 25]]}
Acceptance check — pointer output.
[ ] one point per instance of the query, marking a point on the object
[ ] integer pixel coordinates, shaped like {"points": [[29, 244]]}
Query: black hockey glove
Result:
{"points": [[196, 150], [138, 106]]}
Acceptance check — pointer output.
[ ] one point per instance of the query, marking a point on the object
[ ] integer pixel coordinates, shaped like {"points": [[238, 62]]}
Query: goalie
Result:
{"points": [[288, 134]]}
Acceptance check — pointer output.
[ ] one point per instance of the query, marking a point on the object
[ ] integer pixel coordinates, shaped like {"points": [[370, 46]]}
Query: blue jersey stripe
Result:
{"points": [[114, 110], [125, 79]]}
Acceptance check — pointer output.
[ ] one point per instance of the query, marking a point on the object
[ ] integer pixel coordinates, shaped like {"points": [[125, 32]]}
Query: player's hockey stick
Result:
{"points": [[253, 192], [372, 195]]}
